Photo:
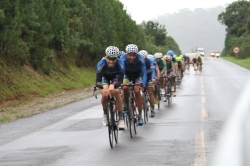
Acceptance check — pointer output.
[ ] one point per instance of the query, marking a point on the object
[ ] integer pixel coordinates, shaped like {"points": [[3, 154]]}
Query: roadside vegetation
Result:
{"points": [[238, 28], [50, 46], [241, 62]]}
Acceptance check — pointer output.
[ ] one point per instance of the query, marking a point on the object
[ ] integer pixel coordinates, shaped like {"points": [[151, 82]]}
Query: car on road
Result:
{"points": [[212, 53], [217, 54]]}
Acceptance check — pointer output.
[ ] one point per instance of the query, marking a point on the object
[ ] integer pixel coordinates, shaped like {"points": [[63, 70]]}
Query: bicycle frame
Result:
{"points": [[132, 109]]}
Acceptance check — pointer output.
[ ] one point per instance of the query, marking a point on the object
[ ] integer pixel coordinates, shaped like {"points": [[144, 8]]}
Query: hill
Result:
{"points": [[198, 28]]}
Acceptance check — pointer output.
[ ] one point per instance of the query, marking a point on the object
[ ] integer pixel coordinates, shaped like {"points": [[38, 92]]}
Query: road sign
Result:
{"points": [[236, 50]]}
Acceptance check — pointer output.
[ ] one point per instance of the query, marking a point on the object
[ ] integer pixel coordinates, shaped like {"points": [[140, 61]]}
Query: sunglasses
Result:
{"points": [[112, 58], [132, 54], [158, 58]]}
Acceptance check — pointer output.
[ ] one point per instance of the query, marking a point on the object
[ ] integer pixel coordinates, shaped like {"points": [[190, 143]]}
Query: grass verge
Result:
{"points": [[22, 85], [241, 62]]}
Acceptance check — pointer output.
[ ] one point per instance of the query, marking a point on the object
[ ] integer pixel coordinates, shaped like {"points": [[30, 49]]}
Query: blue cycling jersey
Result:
{"points": [[138, 66], [103, 68], [150, 66]]}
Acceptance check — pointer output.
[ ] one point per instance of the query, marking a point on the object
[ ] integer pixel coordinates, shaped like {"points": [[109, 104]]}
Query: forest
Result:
{"points": [[237, 19], [48, 46], [44, 32]]}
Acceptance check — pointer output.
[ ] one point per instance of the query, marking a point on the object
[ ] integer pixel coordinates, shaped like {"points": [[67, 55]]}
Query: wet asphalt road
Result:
{"points": [[180, 135]]}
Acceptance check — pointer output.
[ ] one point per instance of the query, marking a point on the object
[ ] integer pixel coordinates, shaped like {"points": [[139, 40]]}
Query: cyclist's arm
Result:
{"points": [[152, 69], [157, 71], [99, 80], [120, 77], [144, 74], [165, 68]]}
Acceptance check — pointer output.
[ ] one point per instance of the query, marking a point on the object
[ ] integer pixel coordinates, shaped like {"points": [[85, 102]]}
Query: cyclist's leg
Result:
{"points": [[137, 90], [126, 80], [152, 97], [118, 98], [176, 68], [182, 65], [104, 103]]}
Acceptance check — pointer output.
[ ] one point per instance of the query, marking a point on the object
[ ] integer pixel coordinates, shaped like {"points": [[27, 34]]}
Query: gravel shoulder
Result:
{"points": [[39, 105]]}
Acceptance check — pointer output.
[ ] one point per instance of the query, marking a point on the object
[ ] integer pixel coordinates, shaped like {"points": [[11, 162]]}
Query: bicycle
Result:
{"points": [[199, 67], [169, 93], [132, 114], [112, 118], [187, 67], [125, 112], [157, 93], [162, 90], [146, 104], [179, 77], [195, 68]]}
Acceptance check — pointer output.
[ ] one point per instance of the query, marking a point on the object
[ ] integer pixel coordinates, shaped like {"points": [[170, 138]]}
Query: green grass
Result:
{"points": [[4, 119], [22, 83], [241, 62]]}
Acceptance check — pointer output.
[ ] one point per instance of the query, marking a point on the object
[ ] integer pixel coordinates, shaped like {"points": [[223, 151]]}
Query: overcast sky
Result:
{"points": [[148, 9]]}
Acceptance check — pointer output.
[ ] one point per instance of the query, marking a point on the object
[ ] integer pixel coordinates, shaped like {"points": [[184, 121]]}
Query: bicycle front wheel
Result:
{"points": [[145, 107], [115, 124], [110, 126], [169, 93], [132, 118], [159, 97]]}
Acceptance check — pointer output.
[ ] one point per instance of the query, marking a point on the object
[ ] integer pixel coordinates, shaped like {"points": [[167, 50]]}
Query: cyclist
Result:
{"points": [[194, 62], [199, 60], [186, 60], [157, 71], [134, 68], [109, 76], [171, 53], [170, 67], [163, 71], [150, 66], [180, 64]]}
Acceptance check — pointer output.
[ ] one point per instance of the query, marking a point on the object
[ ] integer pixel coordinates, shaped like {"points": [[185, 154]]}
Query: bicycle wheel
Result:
{"points": [[145, 107], [148, 110], [131, 118], [179, 77], [135, 117], [169, 93], [115, 123], [159, 96], [125, 117], [110, 126]]}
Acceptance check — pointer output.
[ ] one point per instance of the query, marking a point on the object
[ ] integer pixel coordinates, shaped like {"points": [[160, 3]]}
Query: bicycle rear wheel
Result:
{"points": [[110, 126]]}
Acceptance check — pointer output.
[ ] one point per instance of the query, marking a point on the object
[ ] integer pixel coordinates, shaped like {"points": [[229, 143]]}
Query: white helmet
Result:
{"points": [[151, 57], [131, 48], [144, 53], [158, 55], [112, 51]]}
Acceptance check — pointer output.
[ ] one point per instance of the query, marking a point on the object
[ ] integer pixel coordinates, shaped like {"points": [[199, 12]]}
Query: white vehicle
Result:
{"points": [[217, 54], [201, 50]]}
